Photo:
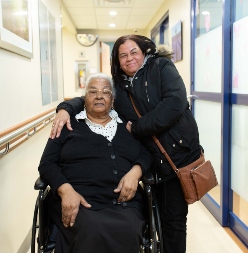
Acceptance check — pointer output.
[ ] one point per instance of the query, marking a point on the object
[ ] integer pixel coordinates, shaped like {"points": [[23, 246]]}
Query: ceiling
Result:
{"points": [[94, 14]]}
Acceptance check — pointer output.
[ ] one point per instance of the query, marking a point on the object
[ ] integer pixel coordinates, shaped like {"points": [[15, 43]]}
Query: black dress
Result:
{"points": [[107, 231], [94, 166]]}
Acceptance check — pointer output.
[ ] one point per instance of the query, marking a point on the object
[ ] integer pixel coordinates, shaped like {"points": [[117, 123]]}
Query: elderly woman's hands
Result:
{"points": [[60, 120], [129, 184], [71, 201]]}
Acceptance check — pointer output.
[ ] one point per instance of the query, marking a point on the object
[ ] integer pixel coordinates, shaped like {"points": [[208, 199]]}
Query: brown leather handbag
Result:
{"points": [[196, 179]]}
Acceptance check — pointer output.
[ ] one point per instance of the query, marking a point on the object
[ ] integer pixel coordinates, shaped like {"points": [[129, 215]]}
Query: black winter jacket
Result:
{"points": [[160, 96]]}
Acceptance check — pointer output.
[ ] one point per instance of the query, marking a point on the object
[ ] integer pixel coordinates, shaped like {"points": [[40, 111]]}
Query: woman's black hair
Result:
{"points": [[146, 45]]}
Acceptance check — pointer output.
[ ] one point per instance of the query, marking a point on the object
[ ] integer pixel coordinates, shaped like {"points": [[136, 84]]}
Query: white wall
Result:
{"points": [[18, 172], [20, 78], [20, 99], [178, 10]]}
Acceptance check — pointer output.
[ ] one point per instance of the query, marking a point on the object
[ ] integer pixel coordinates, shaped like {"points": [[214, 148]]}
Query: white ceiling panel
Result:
{"points": [[141, 24], [148, 3], [143, 12], [94, 14], [86, 25], [118, 27], [138, 19], [106, 22], [111, 19], [111, 3], [78, 3], [81, 11], [106, 11], [84, 19]]}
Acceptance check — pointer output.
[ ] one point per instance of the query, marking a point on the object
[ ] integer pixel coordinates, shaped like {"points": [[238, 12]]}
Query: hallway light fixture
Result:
{"points": [[87, 39], [112, 2], [113, 13]]}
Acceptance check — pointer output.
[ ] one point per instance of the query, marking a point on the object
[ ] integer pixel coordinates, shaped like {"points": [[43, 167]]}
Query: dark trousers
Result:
{"points": [[173, 211]]}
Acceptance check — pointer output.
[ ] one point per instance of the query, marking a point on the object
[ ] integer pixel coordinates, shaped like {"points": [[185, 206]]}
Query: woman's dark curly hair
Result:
{"points": [[146, 45]]}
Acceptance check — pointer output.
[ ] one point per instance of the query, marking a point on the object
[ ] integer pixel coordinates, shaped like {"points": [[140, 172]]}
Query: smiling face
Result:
{"points": [[131, 57], [98, 98]]}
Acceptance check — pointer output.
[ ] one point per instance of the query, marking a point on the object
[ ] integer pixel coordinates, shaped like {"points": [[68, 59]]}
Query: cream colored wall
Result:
{"points": [[20, 78], [71, 55], [18, 172], [178, 10], [20, 99]]}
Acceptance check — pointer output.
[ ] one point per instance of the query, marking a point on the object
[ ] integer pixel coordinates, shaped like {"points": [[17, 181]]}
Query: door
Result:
{"points": [[207, 89], [238, 192], [220, 104], [105, 58]]}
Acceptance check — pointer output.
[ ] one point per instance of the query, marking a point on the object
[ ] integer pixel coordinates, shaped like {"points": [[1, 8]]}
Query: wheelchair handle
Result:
{"points": [[40, 184], [148, 178]]}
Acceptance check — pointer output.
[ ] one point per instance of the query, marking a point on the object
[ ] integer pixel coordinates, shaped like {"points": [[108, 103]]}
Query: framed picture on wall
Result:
{"points": [[15, 27], [176, 35]]}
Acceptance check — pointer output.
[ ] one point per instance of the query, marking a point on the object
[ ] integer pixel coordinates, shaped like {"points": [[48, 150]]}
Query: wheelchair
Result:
{"points": [[44, 230]]}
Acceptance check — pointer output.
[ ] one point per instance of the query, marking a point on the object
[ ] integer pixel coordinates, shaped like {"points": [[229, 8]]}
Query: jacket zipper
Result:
{"points": [[146, 84]]}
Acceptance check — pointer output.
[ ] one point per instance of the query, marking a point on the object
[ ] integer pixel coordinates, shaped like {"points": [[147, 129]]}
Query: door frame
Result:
{"points": [[222, 213]]}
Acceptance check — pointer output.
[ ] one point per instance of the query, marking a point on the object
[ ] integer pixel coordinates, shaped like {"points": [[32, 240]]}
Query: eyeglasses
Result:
{"points": [[106, 93]]}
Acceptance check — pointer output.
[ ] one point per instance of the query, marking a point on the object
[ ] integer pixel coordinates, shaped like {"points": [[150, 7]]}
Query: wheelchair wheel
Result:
{"points": [[158, 238], [153, 240], [40, 241], [35, 226]]}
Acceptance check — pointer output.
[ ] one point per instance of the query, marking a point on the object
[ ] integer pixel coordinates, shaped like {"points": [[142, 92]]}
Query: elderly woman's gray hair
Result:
{"points": [[101, 76]]}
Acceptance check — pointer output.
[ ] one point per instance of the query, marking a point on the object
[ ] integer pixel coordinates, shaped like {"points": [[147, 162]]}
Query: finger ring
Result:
{"points": [[53, 125]]}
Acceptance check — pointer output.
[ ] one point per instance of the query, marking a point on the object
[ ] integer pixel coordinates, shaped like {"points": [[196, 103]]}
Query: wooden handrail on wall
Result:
{"points": [[67, 99], [14, 136]]}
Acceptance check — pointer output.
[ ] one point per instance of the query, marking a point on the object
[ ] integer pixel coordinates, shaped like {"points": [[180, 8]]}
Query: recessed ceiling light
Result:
{"points": [[113, 13], [114, 3], [112, 25], [205, 13]]}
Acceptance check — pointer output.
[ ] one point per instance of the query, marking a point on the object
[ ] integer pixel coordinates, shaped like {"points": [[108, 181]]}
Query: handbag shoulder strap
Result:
{"points": [[155, 139], [134, 106]]}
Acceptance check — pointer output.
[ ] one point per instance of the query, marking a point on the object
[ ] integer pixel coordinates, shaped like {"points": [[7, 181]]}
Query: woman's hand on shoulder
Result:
{"points": [[129, 184], [61, 118], [70, 202]]}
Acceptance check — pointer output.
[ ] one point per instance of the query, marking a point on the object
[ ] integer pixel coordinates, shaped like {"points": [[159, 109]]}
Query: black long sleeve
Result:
{"points": [[72, 106]]}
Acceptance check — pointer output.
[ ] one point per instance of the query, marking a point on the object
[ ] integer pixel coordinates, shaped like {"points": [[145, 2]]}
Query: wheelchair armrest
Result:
{"points": [[40, 184], [148, 178]]}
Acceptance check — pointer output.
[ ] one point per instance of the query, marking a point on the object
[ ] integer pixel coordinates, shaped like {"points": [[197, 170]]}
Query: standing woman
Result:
{"points": [[147, 74]]}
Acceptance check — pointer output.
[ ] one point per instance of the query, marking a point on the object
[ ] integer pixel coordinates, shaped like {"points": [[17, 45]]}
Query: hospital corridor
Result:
{"points": [[48, 49]]}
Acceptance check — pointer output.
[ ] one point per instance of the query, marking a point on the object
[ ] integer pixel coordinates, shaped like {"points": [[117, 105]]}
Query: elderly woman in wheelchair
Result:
{"points": [[94, 172]]}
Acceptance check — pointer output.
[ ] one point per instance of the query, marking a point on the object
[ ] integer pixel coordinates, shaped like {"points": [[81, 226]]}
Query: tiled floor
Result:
{"points": [[205, 235]]}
